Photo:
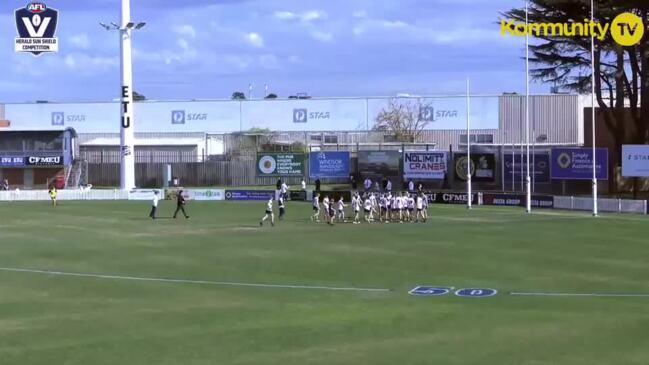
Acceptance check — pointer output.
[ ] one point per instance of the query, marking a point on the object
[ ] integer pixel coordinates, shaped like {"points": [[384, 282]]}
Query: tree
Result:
{"points": [[271, 96], [403, 118], [238, 95], [138, 97], [621, 73]]}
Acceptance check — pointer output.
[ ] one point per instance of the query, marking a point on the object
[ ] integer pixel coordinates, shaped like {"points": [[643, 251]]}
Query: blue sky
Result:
{"points": [[210, 48]]}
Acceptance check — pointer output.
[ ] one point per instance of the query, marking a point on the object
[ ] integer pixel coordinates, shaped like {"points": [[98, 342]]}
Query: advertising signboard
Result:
{"points": [[424, 165], [635, 160], [577, 163], [329, 164], [280, 164]]}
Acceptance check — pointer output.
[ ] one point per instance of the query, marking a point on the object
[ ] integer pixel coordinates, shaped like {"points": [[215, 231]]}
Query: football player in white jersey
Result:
{"points": [[383, 203], [425, 209], [325, 204], [356, 206], [411, 208], [316, 209], [341, 209], [420, 207], [367, 208], [269, 213]]}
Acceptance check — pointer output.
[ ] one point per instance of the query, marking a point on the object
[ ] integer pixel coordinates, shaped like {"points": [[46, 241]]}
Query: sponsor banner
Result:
{"points": [[483, 166], [299, 195], [577, 163], [280, 164], [539, 167], [451, 198], [144, 194], [635, 160], [517, 200], [206, 194], [12, 161], [329, 164], [44, 161], [379, 164], [249, 194], [424, 165], [225, 116]]}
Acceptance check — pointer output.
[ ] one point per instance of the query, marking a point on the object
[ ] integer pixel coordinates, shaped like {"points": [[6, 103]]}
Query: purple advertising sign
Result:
{"points": [[539, 167], [577, 163]]}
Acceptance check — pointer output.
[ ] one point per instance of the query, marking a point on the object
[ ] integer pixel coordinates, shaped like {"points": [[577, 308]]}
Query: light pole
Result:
{"points": [[592, 101], [127, 131], [468, 145], [528, 182]]}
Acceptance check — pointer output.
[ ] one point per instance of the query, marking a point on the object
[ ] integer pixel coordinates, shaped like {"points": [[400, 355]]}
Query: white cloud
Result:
{"points": [[307, 16], [89, 64], [255, 39], [185, 30], [284, 15], [183, 44], [394, 24], [70, 62], [361, 14], [322, 36], [398, 31], [80, 41], [269, 61], [313, 15]]}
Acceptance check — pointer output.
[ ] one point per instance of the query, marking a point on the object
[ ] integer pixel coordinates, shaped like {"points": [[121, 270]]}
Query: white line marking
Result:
{"points": [[186, 281], [610, 295]]}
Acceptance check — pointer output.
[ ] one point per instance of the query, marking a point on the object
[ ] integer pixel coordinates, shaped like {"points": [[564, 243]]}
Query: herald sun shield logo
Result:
{"points": [[36, 26]]}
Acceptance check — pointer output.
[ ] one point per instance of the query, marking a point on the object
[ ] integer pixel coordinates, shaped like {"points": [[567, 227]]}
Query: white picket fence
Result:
{"points": [[30, 195], [603, 204]]}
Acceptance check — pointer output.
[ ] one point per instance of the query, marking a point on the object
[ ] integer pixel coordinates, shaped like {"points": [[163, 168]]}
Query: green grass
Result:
{"points": [[47, 319]]}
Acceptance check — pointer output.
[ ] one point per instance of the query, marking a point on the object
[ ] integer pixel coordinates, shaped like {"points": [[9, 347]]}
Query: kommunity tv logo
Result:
{"points": [[626, 29]]}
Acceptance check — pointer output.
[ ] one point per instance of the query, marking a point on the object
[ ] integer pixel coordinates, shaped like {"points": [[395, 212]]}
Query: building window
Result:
{"points": [[331, 139], [478, 138]]}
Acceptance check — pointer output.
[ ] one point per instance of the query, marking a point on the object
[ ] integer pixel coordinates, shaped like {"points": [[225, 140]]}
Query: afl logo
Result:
{"points": [[36, 8], [267, 165], [36, 26]]}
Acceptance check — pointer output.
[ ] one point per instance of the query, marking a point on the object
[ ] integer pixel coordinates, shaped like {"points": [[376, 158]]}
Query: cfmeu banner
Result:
{"points": [[424, 165]]}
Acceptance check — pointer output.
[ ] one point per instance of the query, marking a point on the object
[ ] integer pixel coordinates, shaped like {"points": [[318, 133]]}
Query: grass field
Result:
{"points": [[58, 319]]}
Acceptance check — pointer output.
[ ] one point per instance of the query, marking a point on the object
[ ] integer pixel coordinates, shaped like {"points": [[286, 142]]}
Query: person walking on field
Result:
{"points": [[154, 205], [269, 213], [53, 194], [180, 205]]}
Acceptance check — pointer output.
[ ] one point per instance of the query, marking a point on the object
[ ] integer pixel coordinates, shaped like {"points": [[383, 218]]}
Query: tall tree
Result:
{"points": [[403, 118], [621, 73]]}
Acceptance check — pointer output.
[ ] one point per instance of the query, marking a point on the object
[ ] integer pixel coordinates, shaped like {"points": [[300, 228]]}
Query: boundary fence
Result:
{"points": [[440, 197]]}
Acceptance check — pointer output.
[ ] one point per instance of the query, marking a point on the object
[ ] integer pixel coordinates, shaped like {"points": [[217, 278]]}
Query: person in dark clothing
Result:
{"points": [[317, 185], [180, 206]]}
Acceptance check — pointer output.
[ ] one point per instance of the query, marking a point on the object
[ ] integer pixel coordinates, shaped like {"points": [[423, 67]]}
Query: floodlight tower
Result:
{"points": [[127, 120]]}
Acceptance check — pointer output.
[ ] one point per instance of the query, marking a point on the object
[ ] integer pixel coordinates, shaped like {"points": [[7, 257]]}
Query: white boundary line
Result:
{"points": [[186, 281], [604, 295]]}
